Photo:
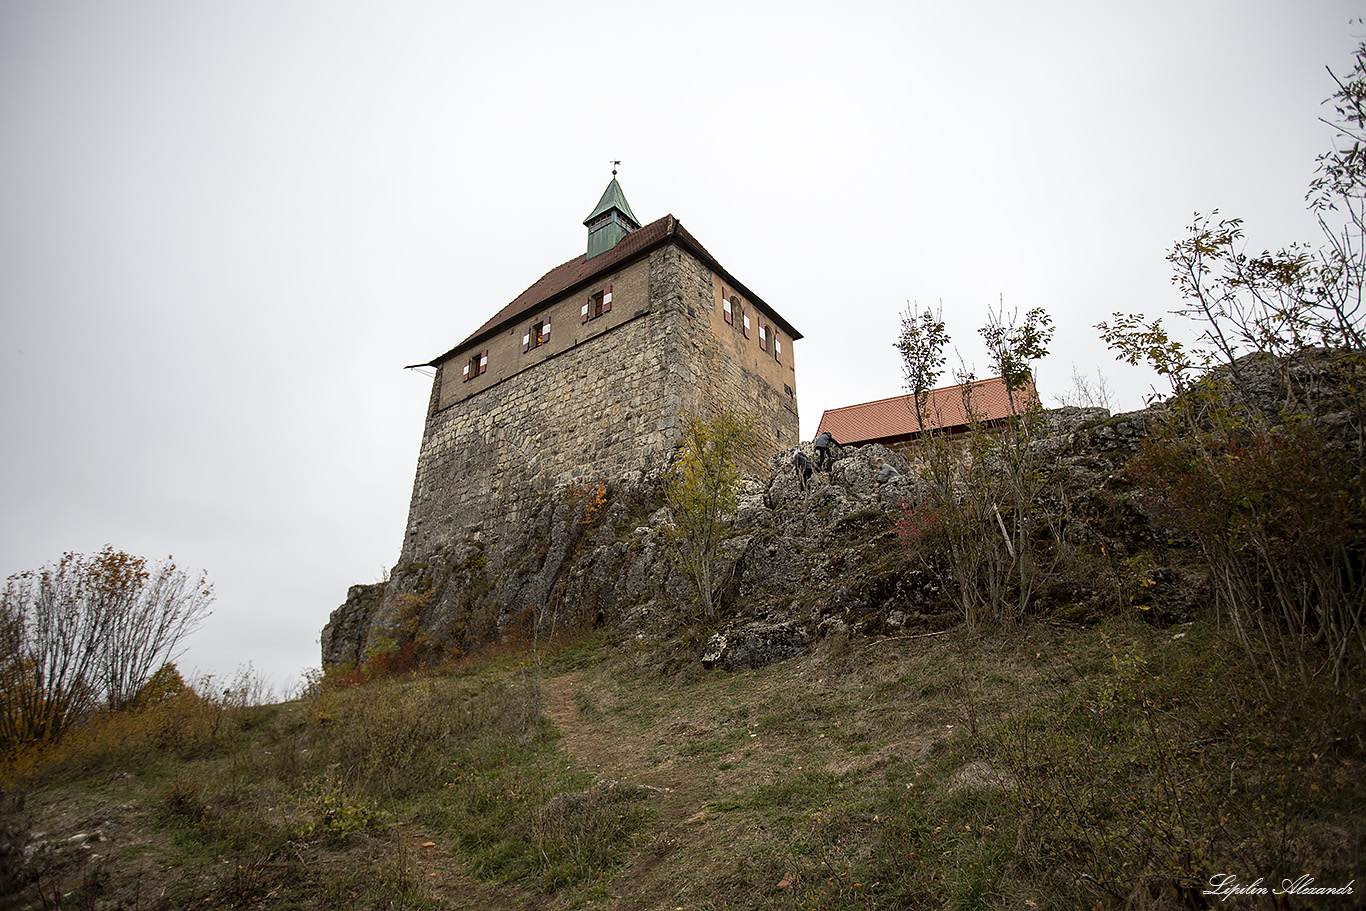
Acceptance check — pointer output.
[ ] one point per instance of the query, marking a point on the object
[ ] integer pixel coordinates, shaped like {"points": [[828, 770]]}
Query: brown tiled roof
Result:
{"points": [[895, 419], [581, 271]]}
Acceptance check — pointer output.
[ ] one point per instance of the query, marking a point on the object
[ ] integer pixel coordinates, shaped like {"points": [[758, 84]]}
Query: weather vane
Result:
{"points": [[614, 167]]}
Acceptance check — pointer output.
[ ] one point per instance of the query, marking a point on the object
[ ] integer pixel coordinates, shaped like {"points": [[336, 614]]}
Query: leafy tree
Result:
{"points": [[921, 343], [89, 628], [1135, 341], [977, 483], [1272, 302], [1272, 500], [1337, 195], [1014, 347], [703, 489]]}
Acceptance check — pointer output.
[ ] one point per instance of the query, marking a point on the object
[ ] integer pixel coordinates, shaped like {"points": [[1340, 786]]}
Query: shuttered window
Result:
{"points": [[536, 335], [763, 337], [726, 309], [476, 365], [596, 305]]}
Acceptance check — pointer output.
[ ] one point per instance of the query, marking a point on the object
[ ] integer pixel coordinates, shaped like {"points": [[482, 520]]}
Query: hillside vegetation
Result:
{"points": [[1045, 766], [1162, 710], [1173, 713], [1064, 661]]}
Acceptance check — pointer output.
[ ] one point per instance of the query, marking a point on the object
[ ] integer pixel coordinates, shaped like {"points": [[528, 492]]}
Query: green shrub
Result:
{"points": [[331, 813], [1150, 779], [1277, 516]]}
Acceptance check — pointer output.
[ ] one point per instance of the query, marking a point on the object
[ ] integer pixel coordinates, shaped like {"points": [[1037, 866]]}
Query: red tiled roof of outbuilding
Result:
{"points": [[946, 408]]}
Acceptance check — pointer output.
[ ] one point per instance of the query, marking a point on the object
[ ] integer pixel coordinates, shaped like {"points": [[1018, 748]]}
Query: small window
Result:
{"points": [[726, 310], [477, 364], [536, 335], [596, 304], [777, 347], [763, 336], [745, 314]]}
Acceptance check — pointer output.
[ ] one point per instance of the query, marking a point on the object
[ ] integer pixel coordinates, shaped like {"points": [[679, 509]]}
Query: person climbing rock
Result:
{"points": [[885, 472], [822, 444], [802, 465]]}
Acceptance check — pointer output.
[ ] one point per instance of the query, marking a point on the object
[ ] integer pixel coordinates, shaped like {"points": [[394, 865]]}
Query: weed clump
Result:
{"points": [[1168, 769]]}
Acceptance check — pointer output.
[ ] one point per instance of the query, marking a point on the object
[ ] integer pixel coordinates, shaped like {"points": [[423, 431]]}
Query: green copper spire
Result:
{"points": [[610, 221]]}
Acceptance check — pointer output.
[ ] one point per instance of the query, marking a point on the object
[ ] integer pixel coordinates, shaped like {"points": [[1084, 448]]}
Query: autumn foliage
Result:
{"points": [[87, 631]]}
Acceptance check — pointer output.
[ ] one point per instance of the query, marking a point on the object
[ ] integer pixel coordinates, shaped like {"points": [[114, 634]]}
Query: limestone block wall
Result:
{"points": [[608, 408], [600, 412], [727, 370]]}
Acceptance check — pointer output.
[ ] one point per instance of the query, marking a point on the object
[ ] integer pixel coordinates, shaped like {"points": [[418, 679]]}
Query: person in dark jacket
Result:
{"points": [[802, 465], [822, 444]]}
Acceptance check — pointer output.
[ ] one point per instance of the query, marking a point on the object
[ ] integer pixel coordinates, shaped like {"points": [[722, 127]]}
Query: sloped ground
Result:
{"points": [[860, 751], [922, 771], [710, 747]]}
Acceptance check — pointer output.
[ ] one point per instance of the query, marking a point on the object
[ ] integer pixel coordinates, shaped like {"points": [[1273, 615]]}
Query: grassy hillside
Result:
{"points": [[1040, 766]]}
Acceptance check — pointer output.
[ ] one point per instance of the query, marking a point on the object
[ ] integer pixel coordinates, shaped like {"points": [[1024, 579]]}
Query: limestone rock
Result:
{"points": [[755, 645], [343, 638], [802, 561]]}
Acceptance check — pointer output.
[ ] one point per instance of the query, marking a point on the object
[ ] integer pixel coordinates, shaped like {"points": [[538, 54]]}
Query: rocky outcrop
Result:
{"points": [[750, 645], [804, 562], [799, 564], [347, 633]]}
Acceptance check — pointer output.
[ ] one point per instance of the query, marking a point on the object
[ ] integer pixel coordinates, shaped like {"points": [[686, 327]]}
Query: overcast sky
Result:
{"points": [[225, 228]]}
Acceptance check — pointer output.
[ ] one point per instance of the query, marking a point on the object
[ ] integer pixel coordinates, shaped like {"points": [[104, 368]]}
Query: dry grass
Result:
{"points": [[1041, 767]]}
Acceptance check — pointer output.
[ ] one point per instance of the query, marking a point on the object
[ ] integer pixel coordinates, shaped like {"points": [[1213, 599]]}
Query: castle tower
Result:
{"points": [[585, 378], [610, 221]]}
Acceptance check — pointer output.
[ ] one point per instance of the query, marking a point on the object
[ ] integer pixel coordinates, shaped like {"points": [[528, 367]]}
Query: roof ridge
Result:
{"points": [[565, 276], [894, 417], [581, 269], [908, 394]]}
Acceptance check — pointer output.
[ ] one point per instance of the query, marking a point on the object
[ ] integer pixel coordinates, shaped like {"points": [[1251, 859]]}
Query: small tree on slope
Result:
{"points": [[89, 628], [703, 488]]}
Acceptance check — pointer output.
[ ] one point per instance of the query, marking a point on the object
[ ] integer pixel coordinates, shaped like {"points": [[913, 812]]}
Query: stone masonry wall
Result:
{"points": [[608, 410], [595, 413], [718, 378]]}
